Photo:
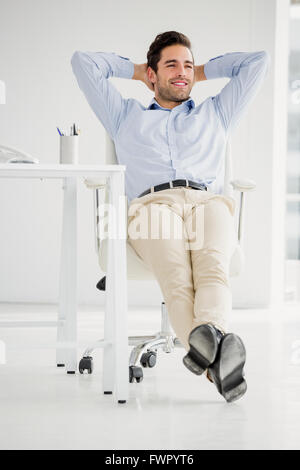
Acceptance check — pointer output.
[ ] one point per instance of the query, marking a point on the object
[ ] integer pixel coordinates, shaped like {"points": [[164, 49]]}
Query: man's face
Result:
{"points": [[175, 75]]}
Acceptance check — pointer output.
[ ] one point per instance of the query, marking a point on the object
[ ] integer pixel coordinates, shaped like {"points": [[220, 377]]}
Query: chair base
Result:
{"points": [[145, 345]]}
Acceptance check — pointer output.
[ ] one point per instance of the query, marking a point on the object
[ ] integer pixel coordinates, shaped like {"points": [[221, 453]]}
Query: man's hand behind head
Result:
{"points": [[140, 73]]}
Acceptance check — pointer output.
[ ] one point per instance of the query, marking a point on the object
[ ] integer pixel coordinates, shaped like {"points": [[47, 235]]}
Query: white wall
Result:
{"points": [[37, 39]]}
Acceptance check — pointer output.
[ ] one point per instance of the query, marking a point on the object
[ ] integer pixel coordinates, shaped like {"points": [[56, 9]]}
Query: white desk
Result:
{"points": [[115, 342]]}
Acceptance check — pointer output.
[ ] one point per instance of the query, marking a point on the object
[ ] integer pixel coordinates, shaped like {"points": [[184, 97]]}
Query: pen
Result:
{"points": [[59, 131], [74, 129]]}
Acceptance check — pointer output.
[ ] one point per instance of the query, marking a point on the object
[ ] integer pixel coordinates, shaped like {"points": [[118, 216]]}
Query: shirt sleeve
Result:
{"points": [[92, 71], [247, 72]]}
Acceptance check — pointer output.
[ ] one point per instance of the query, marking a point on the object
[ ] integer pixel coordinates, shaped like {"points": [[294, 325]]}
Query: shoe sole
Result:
{"points": [[203, 350], [233, 358]]}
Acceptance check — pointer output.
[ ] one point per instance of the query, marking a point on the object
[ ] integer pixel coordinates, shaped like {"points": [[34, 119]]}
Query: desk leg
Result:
{"points": [[67, 314], [108, 351], [117, 292]]}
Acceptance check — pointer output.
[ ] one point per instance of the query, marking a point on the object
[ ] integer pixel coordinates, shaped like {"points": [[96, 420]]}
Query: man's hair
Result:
{"points": [[163, 40]]}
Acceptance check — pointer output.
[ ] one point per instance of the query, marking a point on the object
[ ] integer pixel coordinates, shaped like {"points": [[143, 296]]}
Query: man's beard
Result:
{"points": [[165, 94]]}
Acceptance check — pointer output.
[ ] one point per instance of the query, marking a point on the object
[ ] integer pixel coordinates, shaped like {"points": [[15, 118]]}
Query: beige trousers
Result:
{"points": [[187, 237]]}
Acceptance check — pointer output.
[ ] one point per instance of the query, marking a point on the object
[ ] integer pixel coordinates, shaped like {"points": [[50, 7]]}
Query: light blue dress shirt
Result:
{"points": [[158, 144]]}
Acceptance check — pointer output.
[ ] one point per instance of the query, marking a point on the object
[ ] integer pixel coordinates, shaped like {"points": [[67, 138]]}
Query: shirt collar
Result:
{"points": [[154, 104]]}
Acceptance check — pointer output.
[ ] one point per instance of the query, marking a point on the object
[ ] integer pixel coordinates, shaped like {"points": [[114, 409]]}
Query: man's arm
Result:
{"points": [[92, 71], [199, 73], [247, 71], [140, 73]]}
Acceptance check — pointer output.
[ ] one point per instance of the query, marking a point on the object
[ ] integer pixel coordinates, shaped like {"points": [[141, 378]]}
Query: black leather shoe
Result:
{"points": [[227, 370], [204, 341]]}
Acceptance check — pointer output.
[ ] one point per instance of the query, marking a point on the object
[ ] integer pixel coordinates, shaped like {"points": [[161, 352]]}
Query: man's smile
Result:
{"points": [[180, 84]]}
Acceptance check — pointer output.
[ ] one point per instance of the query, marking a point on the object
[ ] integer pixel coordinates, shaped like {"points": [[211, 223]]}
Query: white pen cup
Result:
{"points": [[69, 149]]}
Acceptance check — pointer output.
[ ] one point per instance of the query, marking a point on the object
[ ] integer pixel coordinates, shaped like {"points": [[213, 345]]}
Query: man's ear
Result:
{"points": [[151, 75]]}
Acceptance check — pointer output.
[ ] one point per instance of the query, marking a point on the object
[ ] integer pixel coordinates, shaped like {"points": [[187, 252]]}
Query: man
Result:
{"points": [[174, 154]]}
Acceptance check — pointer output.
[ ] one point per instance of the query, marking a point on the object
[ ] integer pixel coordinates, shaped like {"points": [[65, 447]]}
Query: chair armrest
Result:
{"points": [[243, 185], [95, 184]]}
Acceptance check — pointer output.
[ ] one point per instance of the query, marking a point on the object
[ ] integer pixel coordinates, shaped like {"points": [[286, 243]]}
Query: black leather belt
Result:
{"points": [[174, 184]]}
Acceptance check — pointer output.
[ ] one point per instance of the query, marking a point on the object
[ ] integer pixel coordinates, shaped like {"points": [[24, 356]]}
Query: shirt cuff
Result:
{"points": [[212, 68], [125, 67], [113, 65]]}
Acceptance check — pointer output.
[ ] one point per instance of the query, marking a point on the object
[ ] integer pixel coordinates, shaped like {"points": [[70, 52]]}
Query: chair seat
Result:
{"points": [[138, 270]]}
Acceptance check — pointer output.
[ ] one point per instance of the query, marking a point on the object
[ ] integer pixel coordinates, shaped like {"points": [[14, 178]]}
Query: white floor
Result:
{"points": [[43, 408]]}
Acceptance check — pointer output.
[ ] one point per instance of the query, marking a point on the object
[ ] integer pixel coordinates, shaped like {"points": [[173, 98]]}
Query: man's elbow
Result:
{"points": [[265, 58], [75, 57], [262, 60], [76, 60]]}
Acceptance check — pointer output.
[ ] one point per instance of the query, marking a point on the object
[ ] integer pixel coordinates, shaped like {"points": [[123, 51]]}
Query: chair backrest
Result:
{"points": [[228, 172], [110, 151], [111, 159]]}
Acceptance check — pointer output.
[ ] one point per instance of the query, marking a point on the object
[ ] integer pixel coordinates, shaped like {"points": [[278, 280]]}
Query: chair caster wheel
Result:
{"points": [[135, 373], [148, 359], [86, 363]]}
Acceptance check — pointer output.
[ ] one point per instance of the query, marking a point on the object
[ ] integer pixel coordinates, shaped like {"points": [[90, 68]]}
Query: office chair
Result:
{"points": [[145, 347]]}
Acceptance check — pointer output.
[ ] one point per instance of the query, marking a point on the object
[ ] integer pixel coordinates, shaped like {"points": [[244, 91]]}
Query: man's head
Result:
{"points": [[170, 60]]}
